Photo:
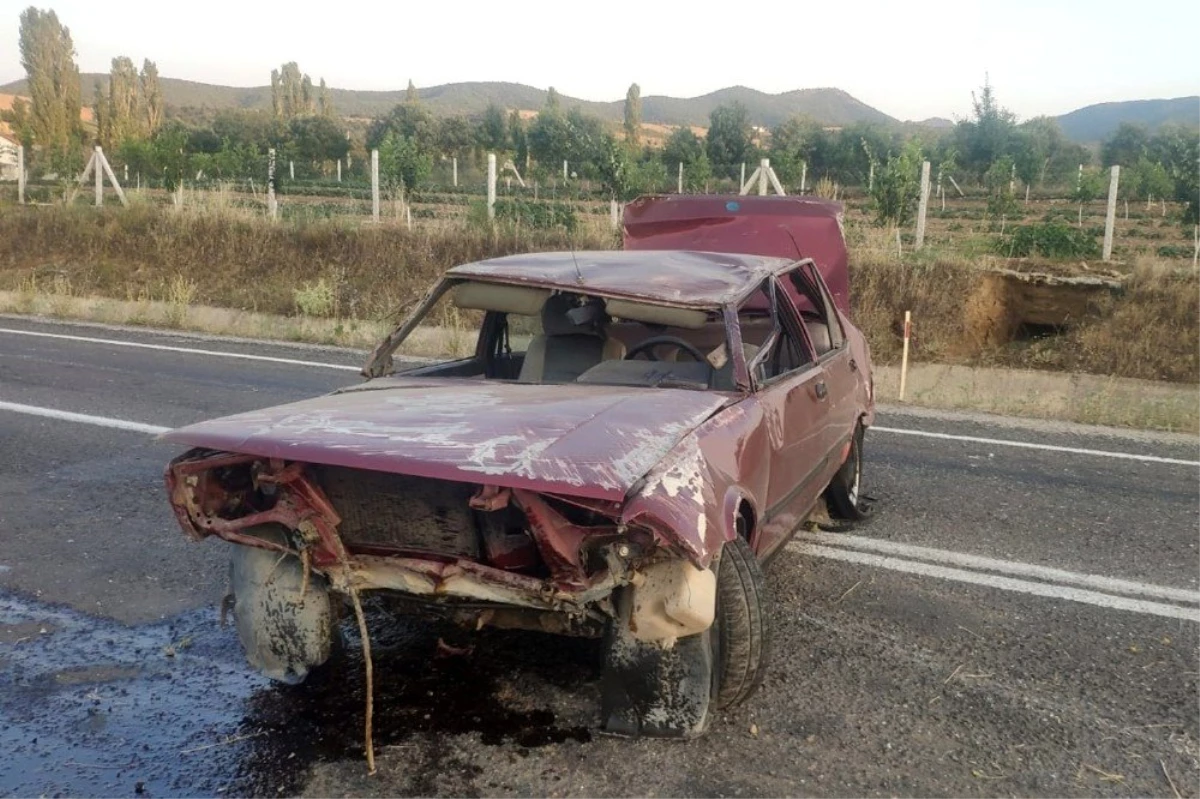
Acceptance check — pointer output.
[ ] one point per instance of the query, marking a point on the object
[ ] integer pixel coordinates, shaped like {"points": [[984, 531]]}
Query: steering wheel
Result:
{"points": [[648, 345]]}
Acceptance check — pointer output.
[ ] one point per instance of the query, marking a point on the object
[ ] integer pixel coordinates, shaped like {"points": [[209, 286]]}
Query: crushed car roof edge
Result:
{"points": [[673, 277]]}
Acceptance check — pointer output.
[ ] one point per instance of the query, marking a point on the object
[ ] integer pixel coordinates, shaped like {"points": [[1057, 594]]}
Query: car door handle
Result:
{"points": [[822, 390]]}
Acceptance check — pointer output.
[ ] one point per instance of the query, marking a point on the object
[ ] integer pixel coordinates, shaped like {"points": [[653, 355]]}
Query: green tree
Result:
{"points": [[988, 135], [549, 139], [846, 157], [633, 114], [152, 97], [318, 140], [1088, 186], [728, 140], [19, 121], [493, 132], [169, 157], [792, 147], [411, 95], [408, 120], [258, 130], [101, 115], [48, 56], [1126, 146], [552, 101], [897, 186], [586, 138], [1177, 148], [576, 137], [124, 101], [456, 137], [324, 101], [683, 146], [291, 92], [612, 165], [1038, 142], [403, 163], [998, 181], [519, 139], [1146, 180], [308, 96], [276, 93]]}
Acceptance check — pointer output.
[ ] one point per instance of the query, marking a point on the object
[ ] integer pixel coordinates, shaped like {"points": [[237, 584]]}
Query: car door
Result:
{"points": [[791, 390], [810, 299]]}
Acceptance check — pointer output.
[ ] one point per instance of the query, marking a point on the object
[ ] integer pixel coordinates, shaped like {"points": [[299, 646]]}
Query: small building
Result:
{"points": [[8, 157]]}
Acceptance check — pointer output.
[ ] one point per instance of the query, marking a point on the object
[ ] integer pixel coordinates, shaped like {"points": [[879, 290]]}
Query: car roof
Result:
{"points": [[670, 277]]}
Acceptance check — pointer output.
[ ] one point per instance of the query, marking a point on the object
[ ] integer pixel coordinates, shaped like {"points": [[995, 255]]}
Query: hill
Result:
{"points": [[828, 106], [1095, 123]]}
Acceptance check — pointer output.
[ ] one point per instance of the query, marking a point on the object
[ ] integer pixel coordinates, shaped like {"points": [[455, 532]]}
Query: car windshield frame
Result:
{"points": [[381, 361]]}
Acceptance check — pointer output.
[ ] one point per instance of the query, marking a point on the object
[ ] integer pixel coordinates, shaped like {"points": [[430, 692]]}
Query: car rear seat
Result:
{"points": [[818, 332]]}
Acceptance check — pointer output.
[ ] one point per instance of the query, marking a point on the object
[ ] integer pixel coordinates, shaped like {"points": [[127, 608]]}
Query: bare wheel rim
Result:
{"points": [[852, 490]]}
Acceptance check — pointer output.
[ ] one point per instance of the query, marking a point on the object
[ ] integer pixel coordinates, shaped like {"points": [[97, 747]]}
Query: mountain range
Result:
{"points": [[831, 107]]}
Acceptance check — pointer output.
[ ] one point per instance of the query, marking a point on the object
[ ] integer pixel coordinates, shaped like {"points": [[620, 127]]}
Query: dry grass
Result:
{"points": [[246, 263], [1088, 399], [330, 277]]}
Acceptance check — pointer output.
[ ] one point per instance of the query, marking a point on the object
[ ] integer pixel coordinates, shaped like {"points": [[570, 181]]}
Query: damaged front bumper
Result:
{"points": [[572, 570]]}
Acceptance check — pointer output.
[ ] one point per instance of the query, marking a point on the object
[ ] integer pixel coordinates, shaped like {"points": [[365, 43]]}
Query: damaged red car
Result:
{"points": [[631, 434]]}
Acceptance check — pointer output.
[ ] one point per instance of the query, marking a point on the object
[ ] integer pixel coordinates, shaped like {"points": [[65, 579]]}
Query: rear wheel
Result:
{"points": [[844, 494], [741, 634]]}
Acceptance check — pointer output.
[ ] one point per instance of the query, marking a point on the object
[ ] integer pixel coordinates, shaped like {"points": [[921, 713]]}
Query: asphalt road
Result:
{"points": [[1065, 665]]}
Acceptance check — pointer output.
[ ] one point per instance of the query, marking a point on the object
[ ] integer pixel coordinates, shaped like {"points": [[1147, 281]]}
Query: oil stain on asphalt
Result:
{"points": [[92, 707]]}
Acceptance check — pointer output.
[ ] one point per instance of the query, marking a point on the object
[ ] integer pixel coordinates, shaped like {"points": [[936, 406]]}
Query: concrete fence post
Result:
{"points": [[272, 205], [491, 184], [1110, 218], [375, 185], [98, 174], [922, 206]]}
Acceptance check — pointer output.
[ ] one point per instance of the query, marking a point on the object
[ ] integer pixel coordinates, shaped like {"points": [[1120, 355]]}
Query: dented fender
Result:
{"points": [[691, 500]]}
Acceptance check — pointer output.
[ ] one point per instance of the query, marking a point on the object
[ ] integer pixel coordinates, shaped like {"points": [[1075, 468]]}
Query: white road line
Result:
{"points": [[1030, 445], [980, 563], [186, 350], [83, 418], [876, 428], [1004, 583], [865, 558]]}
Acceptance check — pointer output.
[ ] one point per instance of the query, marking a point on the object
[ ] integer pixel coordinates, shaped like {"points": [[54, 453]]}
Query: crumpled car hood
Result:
{"points": [[587, 441]]}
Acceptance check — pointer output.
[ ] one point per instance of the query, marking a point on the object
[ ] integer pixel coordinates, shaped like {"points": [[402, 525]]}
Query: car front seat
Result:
{"points": [[565, 350]]}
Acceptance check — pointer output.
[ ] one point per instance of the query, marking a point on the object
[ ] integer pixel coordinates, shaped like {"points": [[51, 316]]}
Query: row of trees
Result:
{"points": [[293, 95], [133, 106], [990, 148]]}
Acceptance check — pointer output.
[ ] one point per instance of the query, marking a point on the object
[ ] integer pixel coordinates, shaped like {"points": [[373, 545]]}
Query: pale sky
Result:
{"points": [[911, 60]]}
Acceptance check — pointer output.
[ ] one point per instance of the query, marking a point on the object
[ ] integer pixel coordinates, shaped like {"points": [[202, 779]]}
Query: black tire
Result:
{"points": [[285, 633], [844, 494], [742, 634]]}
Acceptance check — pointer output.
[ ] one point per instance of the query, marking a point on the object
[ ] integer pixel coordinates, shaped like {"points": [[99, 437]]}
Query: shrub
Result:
{"points": [[315, 298], [539, 215], [1048, 239]]}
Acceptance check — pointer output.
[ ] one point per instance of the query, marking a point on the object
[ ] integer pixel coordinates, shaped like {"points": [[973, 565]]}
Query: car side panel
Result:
{"points": [[799, 435]]}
